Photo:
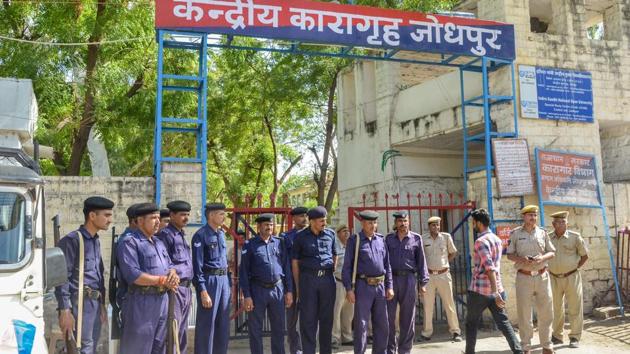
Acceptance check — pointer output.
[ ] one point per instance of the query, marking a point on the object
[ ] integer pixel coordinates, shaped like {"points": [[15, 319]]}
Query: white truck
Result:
{"points": [[27, 268]]}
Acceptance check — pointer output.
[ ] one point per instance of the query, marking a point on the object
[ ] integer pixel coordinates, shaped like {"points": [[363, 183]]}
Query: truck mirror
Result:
{"points": [[56, 271]]}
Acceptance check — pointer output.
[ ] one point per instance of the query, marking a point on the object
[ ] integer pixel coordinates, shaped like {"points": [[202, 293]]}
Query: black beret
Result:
{"points": [[214, 206], [368, 215], [264, 217], [97, 203], [146, 208], [317, 213], [400, 214], [178, 205], [131, 211], [298, 211], [164, 213]]}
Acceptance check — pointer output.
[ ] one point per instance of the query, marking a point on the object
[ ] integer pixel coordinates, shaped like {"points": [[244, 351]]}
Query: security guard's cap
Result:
{"points": [[214, 207], [267, 217], [560, 215], [368, 215], [298, 211], [131, 211], [164, 213], [317, 212], [146, 208], [97, 203], [434, 219], [400, 214], [529, 209], [177, 206]]}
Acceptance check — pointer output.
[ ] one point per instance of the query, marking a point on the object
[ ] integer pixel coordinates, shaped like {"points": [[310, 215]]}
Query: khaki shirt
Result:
{"points": [[437, 250], [569, 248], [523, 244]]}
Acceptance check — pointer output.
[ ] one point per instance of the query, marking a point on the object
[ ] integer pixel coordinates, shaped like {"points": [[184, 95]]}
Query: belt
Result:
{"points": [[185, 283], [564, 275], [146, 290], [215, 271], [533, 273], [265, 284], [338, 279], [373, 281], [402, 272], [91, 293], [437, 272], [317, 272]]}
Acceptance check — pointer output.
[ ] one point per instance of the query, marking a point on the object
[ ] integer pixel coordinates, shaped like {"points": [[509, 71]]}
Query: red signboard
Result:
{"points": [[336, 24], [503, 232]]}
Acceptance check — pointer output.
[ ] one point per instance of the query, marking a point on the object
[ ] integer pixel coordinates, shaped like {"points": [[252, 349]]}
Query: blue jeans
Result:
{"points": [[477, 303]]}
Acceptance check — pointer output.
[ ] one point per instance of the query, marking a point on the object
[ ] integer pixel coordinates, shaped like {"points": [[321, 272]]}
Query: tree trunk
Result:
{"points": [[88, 118]]}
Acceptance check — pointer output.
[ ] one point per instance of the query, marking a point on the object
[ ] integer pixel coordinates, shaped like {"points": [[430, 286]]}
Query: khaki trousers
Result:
{"points": [[342, 316], [571, 289], [530, 292], [443, 286]]}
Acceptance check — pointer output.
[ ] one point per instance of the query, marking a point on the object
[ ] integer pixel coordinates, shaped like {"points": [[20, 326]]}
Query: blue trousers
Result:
{"points": [[212, 329], [405, 294], [293, 336], [370, 305], [91, 325], [183, 297], [270, 301], [316, 306], [144, 323]]}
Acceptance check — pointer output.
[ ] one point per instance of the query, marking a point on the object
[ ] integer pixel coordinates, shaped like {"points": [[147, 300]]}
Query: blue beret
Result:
{"points": [[400, 214], [214, 207], [264, 217], [164, 213], [146, 208], [178, 205], [97, 203], [368, 215], [131, 211], [317, 213], [298, 211]]}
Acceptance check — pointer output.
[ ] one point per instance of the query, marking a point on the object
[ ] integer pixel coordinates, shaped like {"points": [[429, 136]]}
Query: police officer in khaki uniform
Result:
{"points": [[439, 250], [530, 248], [566, 281]]}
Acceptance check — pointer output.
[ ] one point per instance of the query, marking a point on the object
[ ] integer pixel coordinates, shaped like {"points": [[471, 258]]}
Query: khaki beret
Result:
{"points": [[433, 219], [560, 215], [529, 209]]}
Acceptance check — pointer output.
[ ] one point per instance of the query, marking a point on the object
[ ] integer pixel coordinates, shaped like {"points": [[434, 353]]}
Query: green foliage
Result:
{"points": [[252, 96]]}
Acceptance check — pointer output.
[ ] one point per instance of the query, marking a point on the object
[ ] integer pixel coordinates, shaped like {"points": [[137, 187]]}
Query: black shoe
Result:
{"points": [[574, 343], [370, 339], [426, 339], [348, 343], [556, 341], [457, 337]]}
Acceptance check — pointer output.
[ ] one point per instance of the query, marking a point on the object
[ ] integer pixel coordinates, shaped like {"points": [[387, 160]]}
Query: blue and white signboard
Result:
{"points": [[550, 93]]}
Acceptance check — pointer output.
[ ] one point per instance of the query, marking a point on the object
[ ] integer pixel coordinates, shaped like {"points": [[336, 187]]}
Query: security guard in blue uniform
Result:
{"points": [[266, 282], [314, 257], [98, 217], [300, 221], [212, 283]]}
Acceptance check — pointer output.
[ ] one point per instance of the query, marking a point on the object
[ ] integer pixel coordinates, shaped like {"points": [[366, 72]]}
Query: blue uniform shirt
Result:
{"points": [[139, 255], [121, 291], [408, 254], [289, 239], [265, 262], [209, 252], [178, 249], [93, 266], [315, 252], [373, 259]]}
